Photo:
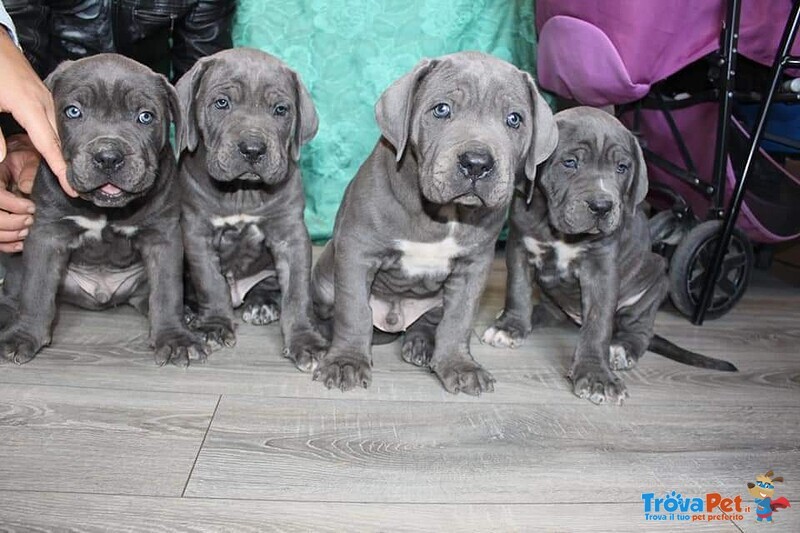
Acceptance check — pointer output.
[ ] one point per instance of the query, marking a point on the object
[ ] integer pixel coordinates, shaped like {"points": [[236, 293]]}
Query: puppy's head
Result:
{"points": [[473, 123], [596, 174], [113, 118], [251, 113]]}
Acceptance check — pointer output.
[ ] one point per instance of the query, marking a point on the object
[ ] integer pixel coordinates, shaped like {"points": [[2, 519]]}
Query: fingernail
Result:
{"points": [[28, 221], [24, 233], [18, 247], [32, 209]]}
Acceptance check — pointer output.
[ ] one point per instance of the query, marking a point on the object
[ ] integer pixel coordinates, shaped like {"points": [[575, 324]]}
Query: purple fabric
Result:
{"points": [[644, 41], [698, 128], [611, 52]]}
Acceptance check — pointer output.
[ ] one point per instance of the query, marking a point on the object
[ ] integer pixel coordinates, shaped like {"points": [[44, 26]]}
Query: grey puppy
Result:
{"points": [[584, 240], [414, 237], [120, 241], [247, 115]]}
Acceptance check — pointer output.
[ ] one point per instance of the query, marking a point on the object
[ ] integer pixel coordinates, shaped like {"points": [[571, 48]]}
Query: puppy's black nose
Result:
{"points": [[475, 165], [252, 149], [109, 159], [600, 208]]}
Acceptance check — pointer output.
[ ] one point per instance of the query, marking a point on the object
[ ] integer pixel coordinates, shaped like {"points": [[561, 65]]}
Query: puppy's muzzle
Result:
{"points": [[252, 149], [599, 207], [108, 158], [475, 164]]}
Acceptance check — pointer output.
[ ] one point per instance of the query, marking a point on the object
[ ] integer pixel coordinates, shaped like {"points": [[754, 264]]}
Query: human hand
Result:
{"points": [[24, 95], [17, 172]]}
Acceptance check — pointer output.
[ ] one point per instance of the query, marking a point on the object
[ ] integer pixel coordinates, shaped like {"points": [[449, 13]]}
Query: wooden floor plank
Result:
{"points": [[107, 350], [91, 429], [348, 451], [56, 512], [70, 439]]}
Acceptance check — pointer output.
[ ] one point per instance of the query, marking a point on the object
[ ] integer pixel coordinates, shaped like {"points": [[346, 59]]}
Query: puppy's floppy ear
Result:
{"points": [[544, 132], [174, 107], [394, 108], [306, 120], [52, 78], [637, 190], [188, 135]]}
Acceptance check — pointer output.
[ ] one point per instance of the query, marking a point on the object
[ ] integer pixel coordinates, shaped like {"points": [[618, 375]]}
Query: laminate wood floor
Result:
{"points": [[95, 437]]}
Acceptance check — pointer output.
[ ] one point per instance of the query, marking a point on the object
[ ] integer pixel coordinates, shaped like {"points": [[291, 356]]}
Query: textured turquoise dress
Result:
{"points": [[348, 51]]}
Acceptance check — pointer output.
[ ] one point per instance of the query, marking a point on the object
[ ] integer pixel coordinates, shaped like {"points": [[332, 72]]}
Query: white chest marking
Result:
{"points": [[93, 227], [536, 249], [632, 300], [128, 231], [233, 220], [428, 258], [566, 254]]}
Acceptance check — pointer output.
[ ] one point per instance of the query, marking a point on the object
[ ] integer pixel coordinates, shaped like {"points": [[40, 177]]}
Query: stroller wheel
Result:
{"points": [[690, 262]]}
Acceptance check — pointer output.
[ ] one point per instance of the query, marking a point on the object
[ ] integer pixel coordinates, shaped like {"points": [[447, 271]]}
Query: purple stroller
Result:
{"points": [[670, 70]]}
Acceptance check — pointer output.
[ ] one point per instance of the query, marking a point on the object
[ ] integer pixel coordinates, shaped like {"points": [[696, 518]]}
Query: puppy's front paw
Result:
{"points": [[179, 347], [344, 371], [463, 374], [217, 332], [261, 314], [619, 358], [506, 332], [599, 385], [305, 350], [417, 349], [18, 345]]}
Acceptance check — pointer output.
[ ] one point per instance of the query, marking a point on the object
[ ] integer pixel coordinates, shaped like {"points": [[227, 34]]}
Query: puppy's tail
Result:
{"points": [[663, 347]]}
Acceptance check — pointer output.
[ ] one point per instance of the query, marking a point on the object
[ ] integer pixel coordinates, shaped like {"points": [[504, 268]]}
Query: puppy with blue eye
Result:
{"points": [[415, 234], [247, 246], [582, 236], [119, 242]]}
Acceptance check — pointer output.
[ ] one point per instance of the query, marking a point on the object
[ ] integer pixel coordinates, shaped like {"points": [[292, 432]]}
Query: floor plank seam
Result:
{"points": [[736, 525], [114, 389], [487, 399], [202, 443], [327, 502]]}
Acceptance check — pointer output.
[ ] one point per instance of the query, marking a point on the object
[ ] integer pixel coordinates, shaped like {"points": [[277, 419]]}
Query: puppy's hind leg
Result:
{"points": [[546, 314], [419, 339], [513, 324], [262, 305], [633, 327], [12, 283]]}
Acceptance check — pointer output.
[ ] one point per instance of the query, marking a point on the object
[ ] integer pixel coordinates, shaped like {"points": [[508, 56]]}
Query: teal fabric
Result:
{"points": [[348, 51]]}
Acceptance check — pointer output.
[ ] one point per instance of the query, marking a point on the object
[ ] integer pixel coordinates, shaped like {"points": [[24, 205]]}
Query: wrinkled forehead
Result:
{"points": [[109, 90], [482, 82], [247, 78], [593, 138]]}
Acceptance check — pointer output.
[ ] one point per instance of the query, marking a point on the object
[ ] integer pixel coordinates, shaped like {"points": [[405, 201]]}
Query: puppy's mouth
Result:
{"points": [[108, 195], [469, 199], [248, 176], [109, 190]]}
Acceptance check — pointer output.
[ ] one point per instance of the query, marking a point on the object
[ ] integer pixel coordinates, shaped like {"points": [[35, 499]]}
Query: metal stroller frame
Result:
{"points": [[723, 93], [783, 60]]}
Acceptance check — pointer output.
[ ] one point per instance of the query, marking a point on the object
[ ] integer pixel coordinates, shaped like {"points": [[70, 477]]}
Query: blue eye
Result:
{"points": [[73, 112], [622, 168], [222, 103], [514, 120], [570, 163], [441, 110], [145, 117], [280, 110]]}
